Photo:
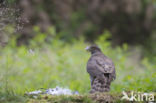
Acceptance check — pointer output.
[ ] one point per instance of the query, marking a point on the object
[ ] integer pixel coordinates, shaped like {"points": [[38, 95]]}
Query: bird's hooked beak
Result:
{"points": [[87, 48]]}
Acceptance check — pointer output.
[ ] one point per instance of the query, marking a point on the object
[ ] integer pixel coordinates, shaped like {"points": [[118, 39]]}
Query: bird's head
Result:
{"points": [[93, 49]]}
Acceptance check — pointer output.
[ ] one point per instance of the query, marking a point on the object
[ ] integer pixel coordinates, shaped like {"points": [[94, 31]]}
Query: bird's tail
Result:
{"points": [[100, 84]]}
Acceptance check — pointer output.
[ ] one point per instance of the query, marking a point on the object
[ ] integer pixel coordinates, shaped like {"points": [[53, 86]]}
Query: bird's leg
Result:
{"points": [[92, 80], [92, 84]]}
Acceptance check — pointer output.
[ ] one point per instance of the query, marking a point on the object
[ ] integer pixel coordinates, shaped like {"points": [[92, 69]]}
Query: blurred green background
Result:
{"points": [[42, 43]]}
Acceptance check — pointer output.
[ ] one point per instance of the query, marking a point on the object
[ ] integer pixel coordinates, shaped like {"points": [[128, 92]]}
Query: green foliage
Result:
{"points": [[11, 1], [41, 65]]}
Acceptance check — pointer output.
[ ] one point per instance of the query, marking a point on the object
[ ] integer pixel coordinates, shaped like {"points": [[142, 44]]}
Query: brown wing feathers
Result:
{"points": [[101, 70]]}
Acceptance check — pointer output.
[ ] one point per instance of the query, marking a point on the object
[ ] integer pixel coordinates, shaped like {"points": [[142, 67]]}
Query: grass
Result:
{"points": [[41, 65]]}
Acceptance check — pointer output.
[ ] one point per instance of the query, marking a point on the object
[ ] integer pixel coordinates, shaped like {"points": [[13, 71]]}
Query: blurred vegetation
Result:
{"points": [[129, 21], [47, 65], [42, 44]]}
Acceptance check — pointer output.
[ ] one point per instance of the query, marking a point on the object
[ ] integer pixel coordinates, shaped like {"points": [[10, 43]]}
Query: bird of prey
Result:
{"points": [[101, 70]]}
